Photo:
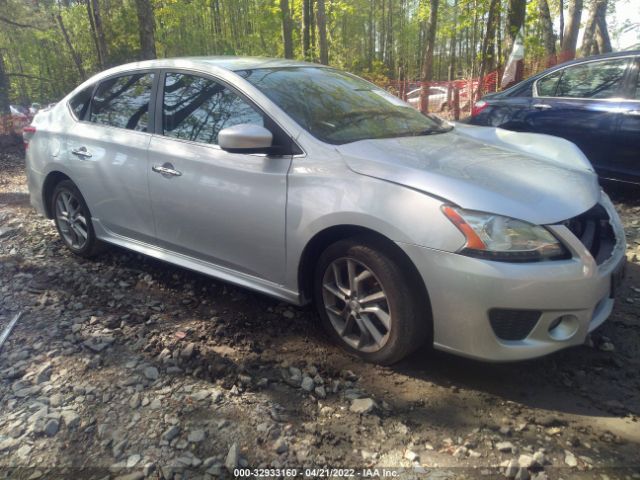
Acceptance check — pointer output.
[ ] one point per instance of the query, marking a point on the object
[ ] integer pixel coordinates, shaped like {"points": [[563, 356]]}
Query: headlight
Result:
{"points": [[495, 237]]}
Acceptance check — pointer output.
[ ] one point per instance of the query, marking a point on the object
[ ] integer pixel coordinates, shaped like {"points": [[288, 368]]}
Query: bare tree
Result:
{"points": [[146, 29], [4, 88], [95, 22], [515, 21], [548, 37], [570, 36], [321, 19], [596, 36], [287, 29], [427, 64], [487, 54], [306, 29], [74, 54]]}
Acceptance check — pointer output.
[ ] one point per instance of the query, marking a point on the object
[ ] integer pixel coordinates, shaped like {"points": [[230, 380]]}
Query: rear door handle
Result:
{"points": [[81, 152], [632, 113], [166, 169], [541, 106]]}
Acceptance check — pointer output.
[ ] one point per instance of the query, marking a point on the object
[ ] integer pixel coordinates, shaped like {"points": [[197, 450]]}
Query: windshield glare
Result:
{"points": [[339, 108]]}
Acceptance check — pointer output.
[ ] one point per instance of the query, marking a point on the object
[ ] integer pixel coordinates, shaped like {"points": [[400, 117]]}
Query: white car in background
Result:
{"points": [[437, 98]]}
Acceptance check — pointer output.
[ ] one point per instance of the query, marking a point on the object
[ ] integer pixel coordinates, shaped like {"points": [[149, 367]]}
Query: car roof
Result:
{"points": [[232, 63]]}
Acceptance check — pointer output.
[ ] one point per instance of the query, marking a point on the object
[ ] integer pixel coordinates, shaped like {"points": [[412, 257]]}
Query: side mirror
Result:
{"points": [[245, 138]]}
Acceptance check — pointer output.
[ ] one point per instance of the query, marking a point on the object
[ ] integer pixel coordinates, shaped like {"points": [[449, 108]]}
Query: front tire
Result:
{"points": [[73, 220], [369, 303]]}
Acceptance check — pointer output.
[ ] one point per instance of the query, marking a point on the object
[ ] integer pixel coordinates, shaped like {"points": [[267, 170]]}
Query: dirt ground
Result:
{"points": [[124, 366]]}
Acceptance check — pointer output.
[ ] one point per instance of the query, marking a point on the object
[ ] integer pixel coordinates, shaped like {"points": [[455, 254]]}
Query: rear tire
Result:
{"points": [[73, 220], [369, 302]]}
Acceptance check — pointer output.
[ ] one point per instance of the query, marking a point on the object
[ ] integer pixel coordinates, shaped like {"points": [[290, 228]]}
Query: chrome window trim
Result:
{"points": [[617, 99]]}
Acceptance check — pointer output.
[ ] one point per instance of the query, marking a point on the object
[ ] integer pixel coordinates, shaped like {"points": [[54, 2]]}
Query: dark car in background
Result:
{"points": [[594, 102]]}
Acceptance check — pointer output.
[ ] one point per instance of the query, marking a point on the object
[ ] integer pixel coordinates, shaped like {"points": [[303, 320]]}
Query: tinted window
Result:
{"points": [[197, 108], [80, 102], [547, 85], [592, 80], [123, 102], [339, 108]]}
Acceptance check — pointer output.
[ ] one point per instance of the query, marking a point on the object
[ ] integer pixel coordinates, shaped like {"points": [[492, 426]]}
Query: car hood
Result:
{"points": [[536, 178]]}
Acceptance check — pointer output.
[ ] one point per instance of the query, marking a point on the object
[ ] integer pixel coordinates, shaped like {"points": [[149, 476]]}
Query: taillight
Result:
{"points": [[479, 106], [27, 134]]}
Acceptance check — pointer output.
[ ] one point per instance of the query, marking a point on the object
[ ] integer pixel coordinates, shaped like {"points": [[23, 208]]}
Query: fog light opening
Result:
{"points": [[563, 327]]}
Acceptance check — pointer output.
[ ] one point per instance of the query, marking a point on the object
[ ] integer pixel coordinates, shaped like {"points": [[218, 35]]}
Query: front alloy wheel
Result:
{"points": [[370, 299], [356, 304]]}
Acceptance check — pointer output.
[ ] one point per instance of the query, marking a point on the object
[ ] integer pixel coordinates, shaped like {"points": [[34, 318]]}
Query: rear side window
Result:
{"points": [[197, 108], [548, 85], [592, 80], [123, 102], [80, 102]]}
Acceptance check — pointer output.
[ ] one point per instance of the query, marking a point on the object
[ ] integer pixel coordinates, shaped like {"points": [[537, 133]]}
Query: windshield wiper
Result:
{"points": [[432, 131]]}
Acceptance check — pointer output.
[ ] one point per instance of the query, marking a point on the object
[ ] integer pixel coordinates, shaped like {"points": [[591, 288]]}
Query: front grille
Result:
{"points": [[593, 229], [513, 324]]}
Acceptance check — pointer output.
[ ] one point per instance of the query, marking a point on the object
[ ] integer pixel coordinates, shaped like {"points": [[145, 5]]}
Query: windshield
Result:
{"points": [[337, 107]]}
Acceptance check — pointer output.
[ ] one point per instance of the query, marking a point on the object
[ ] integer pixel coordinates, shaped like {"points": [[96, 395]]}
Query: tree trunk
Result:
{"points": [[427, 64], [589, 45], [561, 29], [4, 88], [146, 27], [515, 21], [602, 34], [287, 29], [570, 35], [451, 74], [95, 21], [487, 50], [76, 58], [321, 18], [548, 37], [306, 29]]}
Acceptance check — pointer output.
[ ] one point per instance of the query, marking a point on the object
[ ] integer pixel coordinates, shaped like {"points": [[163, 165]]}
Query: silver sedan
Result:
{"points": [[312, 185]]}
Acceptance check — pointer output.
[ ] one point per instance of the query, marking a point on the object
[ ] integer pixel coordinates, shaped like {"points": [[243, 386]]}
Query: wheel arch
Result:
{"points": [[322, 239], [52, 179]]}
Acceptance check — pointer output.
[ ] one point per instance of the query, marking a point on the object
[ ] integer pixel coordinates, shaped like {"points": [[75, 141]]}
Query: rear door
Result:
{"points": [[625, 165], [107, 152], [580, 103]]}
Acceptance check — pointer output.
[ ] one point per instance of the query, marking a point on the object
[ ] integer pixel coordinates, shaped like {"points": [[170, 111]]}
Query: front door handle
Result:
{"points": [[541, 106], [632, 113], [167, 170], [81, 152]]}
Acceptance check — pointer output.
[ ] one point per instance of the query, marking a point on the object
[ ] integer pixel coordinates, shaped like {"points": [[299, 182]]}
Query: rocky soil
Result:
{"points": [[127, 367]]}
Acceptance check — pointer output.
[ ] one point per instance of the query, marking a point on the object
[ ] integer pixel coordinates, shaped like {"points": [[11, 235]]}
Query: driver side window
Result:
{"points": [[196, 108]]}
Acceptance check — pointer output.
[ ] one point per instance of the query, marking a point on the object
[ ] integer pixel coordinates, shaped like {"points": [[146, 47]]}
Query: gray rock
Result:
{"points": [[187, 351], [320, 392], [71, 419], [363, 405], [570, 459], [56, 400], [233, 458], [151, 373], [133, 460], [411, 456], [51, 427], [43, 374], [512, 469], [281, 446], [307, 384], [119, 447], [196, 436], [505, 447], [526, 461], [522, 474], [171, 433], [134, 401]]}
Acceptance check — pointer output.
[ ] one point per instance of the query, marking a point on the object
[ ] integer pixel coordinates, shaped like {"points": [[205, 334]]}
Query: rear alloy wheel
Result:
{"points": [[367, 302], [73, 220]]}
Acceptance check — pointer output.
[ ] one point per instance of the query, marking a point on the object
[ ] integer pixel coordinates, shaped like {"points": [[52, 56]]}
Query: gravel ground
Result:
{"points": [[127, 367]]}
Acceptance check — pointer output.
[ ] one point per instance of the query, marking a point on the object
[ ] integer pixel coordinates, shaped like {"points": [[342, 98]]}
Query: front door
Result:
{"points": [[223, 208]]}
